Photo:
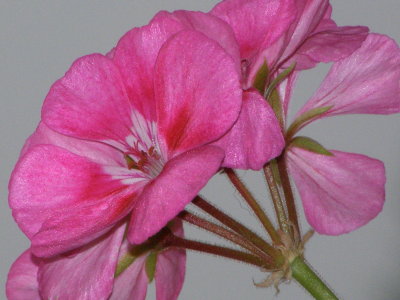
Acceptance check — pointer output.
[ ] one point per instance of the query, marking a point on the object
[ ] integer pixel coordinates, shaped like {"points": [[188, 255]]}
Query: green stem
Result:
{"points": [[252, 202], [310, 281]]}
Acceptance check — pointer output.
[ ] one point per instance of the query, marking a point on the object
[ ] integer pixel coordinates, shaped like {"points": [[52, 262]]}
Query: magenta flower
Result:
{"points": [[126, 134], [88, 272], [343, 191]]}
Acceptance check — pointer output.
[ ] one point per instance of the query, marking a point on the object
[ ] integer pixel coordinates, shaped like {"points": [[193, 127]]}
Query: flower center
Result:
{"points": [[149, 162]]}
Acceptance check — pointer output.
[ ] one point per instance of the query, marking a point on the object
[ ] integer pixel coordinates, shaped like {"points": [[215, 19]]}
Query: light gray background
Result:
{"points": [[40, 40]]}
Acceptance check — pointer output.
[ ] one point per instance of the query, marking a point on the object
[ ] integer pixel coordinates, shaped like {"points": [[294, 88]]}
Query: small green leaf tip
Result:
{"points": [[124, 263], [261, 77], [281, 77], [304, 118], [151, 262], [309, 144]]}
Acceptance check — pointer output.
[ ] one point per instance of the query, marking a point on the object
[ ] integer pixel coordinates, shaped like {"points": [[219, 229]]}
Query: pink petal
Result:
{"points": [[136, 54], [315, 40], [328, 42], [310, 13], [330, 45], [365, 82], [87, 273], [54, 192], [179, 182], [22, 283], [256, 23], [97, 152], [89, 102], [132, 283], [286, 89], [197, 90], [253, 140], [340, 193], [80, 224], [170, 273], [212, 27]]}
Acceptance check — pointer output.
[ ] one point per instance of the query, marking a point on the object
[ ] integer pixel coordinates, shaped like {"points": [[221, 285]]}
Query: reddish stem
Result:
{"points": [[225, 233], [248, 258], [275, 195], [251, 201], [287, 190], [235, 226]]}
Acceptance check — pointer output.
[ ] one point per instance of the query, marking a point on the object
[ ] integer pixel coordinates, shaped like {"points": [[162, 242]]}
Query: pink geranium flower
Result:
{"points": [[343, 191], [88, 272], [282, 32], [252, 141], [277, 32], [127, 133]]}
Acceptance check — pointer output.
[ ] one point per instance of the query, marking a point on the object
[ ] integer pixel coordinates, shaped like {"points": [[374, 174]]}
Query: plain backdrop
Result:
{"points": [[40, 40]]}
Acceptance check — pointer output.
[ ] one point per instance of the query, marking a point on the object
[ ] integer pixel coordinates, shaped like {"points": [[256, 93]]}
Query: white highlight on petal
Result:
{"points": [[125, 175], [143, 148]]}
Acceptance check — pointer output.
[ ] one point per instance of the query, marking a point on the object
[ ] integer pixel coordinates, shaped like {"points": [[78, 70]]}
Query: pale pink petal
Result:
{"points": [[368, 81], [198, 92], [328, 42], [179, 182], [340, 193], [22, 282], [286, 89], [170, 273], [89, 102], [256, 136], [170, 268], [310, 13], [136, 54], [132, 283], [314, 40], [52, 187], [256, 23], [95, 151], [313, 37], [330, 45], [86, 273]]}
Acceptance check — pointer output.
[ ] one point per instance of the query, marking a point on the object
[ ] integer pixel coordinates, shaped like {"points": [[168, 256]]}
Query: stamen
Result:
{"points": [[143, 152], [149, 162]]}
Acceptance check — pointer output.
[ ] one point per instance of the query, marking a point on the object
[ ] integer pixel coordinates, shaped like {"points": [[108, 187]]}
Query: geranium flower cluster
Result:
{"points": [[128, 139]]}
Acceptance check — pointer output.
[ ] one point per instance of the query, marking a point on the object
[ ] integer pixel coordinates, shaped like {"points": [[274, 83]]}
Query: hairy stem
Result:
{"points": [[225, 233], [287, 190], [235, 226], [248, 258], [251, 201], [280, 212]]}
